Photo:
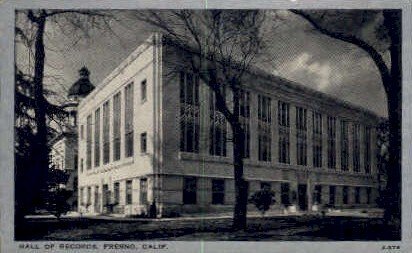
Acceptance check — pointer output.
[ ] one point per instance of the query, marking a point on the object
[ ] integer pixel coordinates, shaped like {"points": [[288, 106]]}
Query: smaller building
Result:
{"points": [[64, 151]]}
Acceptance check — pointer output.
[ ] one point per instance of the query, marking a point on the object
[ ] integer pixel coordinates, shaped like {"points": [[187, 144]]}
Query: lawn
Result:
{"points": [[293, 228]]}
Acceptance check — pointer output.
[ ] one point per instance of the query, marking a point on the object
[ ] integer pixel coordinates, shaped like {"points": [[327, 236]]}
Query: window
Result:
{"points": [[143, 143], [244, 117], [128, 120], [81, 165], [332, 193], [218, 191], [116, 126], [129, 192], [106, 133], [106, 195], [318, 194], [189, 113], [345, 193], [81, 194], [368, 195], [189, 190], [344, 145], [284, 130], [317, 139], [89, 196], [97, 138], [143, 191], [284, 188], [218, 127], [143, 90], [356, 147], [367, 152], [265, 186], [331, 125], [116, 193], [357, 195], [264, 128], [89, 142], [96, 196], [301, 133]]}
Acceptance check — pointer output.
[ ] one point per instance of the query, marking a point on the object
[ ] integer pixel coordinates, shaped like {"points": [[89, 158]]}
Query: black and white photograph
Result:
{"points": [[211, 124]]}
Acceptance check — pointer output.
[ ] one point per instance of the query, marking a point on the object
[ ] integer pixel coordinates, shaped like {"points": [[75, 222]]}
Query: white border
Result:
{"points": [[7, 10]]}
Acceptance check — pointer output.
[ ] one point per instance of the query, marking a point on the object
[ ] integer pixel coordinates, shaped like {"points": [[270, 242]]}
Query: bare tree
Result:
{"points": [[347, 26], [35, 111], [222, 46]]}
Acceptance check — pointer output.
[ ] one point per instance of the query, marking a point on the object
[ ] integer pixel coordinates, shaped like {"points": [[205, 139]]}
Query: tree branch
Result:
{"points": [[373, 53]]}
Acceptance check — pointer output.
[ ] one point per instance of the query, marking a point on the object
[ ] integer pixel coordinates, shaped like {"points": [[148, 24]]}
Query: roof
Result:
{"points": [[83, 86]]}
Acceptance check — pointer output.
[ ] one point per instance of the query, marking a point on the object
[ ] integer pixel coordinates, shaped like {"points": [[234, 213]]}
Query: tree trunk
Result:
{"points": [[393, 20], [41, 151], [240, 210]]}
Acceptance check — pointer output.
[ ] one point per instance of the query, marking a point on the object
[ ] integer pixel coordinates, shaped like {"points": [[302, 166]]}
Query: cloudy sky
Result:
{"points": [[296, 52]]}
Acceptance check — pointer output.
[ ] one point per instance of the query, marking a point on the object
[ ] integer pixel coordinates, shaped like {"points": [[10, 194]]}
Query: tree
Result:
{"points": [[35, 113], [347, 27], [56, 201], [263, 199], [221, 47]]}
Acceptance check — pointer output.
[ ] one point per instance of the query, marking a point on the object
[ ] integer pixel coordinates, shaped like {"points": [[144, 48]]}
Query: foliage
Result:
{"points": [[263, 199]]}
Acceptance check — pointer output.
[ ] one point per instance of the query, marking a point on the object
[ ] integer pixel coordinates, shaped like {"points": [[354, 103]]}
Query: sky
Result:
{"points": [[294, 51]]}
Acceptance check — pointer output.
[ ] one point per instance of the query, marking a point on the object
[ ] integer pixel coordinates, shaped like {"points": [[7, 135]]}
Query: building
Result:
{"points": [[63, 152], [150, 135]]}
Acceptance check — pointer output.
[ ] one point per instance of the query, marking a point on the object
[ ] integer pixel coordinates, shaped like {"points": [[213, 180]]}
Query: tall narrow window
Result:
{"points": [[128, 120], [332, 194], [97, 138], [81, 165], [129, 192], [244, 117], [317, 139], [82, 132], [344, 145], [368, 195], [356, 147], [218, 191], [189, 113], [264, 128], [116, 126], [143, 143], [218, 127], [345, 193], [89, 142], [116, 193], [331, 125], [143, 191], [189, 190], [284, 132], [357, 195], [89, 196], [106, 133], [284, 193], [143, 90], [367, 152], [81, 195], [301, 136], [318, 194]]}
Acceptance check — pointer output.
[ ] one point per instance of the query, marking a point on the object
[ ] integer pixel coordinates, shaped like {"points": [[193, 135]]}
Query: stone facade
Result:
{"points": [[160, 171]]}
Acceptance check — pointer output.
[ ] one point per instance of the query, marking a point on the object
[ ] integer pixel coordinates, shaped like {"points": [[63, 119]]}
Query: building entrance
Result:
{"points": [[302, 197]]}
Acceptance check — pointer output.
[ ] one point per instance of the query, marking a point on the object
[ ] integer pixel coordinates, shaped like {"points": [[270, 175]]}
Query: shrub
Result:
{"points": [[263, 200]]}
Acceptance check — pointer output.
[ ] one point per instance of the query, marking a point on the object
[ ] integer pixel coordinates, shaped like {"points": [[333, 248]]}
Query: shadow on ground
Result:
{"points": [[310, 228]]}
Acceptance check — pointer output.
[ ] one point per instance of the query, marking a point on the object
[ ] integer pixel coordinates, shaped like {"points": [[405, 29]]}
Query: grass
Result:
{"points": [[259, 229]]}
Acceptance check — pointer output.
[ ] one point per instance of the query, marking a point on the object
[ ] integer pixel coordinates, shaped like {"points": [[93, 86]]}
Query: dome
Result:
{"points": [[83, 86]]}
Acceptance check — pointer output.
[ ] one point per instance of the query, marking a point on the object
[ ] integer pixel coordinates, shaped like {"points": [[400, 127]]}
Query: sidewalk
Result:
{"points": [[358, 213]]}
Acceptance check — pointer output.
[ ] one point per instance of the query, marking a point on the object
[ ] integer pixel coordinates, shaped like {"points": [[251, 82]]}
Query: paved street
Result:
{"points": [[259, 229]]}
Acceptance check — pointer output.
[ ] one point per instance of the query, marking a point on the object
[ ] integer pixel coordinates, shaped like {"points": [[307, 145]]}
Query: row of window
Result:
{"points": [[104, 134], [190, 186], [190, 121], [113, 197]]}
